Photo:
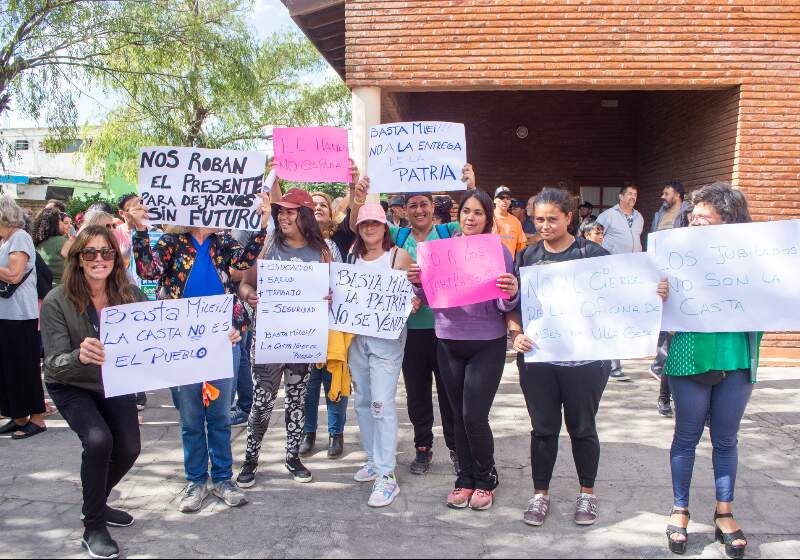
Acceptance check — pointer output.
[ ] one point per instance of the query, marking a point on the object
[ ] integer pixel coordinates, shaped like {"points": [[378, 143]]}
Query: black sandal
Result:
{"points": [[731, 550], [9, 428], [28, 430], [678, 547]]}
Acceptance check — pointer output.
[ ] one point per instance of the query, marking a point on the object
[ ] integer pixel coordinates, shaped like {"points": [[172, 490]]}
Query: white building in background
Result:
{"points": [[34, 173]]}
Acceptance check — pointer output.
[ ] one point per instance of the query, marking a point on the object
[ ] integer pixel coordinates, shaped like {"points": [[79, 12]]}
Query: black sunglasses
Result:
{"points": [[90, 255]]}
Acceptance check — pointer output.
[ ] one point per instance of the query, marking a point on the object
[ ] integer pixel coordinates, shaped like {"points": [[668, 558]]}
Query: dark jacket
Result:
{"points": [[63, 331], [682, 220]]}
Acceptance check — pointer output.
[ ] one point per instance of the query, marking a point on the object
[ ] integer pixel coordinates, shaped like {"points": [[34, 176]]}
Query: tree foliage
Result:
{"points": [[49, 48], [213, 85]]}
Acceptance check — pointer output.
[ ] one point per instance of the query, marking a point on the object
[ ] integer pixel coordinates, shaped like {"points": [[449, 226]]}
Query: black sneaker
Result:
{"points": [[247, 476], [99, 544], [115, 518], [423, 461], [665, 408], [141, 401], [454, 461], [298, 471], [336, 446]]}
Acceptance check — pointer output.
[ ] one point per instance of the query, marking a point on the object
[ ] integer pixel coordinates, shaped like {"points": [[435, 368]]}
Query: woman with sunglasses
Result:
{"points": [[196, 262], [710, 374], [472, 356], [94, 278]]}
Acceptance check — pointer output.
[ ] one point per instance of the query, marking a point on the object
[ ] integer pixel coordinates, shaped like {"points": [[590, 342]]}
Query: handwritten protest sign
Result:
{"points": [[602, 308], [292, 324], [202, 188], [315, 154], [167, 343], [731, 278], [417, 157], [370, 301], [462, 270], [149, 287]]}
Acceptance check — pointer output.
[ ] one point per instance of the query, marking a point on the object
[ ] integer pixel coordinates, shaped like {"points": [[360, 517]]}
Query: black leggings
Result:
{"points": [[548, 388], [471, 372], [420, 371], [109, 432]]}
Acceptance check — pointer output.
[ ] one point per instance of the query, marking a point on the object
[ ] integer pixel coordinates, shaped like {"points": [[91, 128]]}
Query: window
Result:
{"points": [[53, 146], [21, 145]]}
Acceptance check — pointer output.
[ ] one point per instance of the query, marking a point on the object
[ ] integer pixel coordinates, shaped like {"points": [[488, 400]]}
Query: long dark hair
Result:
{"points": [[46, 225], [485, 201], [309, 229], [118, 288], [360, 248]]}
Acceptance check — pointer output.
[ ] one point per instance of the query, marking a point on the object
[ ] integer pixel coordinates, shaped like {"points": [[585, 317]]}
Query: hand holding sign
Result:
{"points": [[462, 271]]}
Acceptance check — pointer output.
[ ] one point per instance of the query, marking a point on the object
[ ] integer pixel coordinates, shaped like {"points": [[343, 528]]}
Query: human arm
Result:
{"points": [[62, 362], [247, 287], [359, 199], [15, 271], [519, 340]]}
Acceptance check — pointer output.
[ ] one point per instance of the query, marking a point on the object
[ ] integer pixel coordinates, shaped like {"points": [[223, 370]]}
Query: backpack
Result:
{"points": [[538, 252], [403, 234]]}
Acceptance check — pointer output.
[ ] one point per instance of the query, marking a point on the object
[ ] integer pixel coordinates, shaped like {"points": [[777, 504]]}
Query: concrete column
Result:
{"points": [[366, 113]]}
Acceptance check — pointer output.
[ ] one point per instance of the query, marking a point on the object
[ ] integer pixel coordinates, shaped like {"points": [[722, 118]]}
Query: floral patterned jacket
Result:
{"points": [[172, 259]]}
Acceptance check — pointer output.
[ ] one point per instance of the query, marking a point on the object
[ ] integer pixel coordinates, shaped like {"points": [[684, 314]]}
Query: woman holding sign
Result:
{"points": [[95, 277], [420, 363], [472, 355], [375, 365], [297, 238], [574, 387], [197, 263], [710, 374]]}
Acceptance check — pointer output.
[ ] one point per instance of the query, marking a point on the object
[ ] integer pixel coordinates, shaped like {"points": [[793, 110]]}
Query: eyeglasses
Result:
{"points": [[90, 255]]}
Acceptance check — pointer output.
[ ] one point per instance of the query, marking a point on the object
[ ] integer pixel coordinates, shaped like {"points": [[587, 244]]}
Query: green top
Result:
{"points": [[422, 319], [693, 353], [50, 250]]}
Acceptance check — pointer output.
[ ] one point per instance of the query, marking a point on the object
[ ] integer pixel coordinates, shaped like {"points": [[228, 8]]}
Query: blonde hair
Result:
{"points": [[331, 228]]}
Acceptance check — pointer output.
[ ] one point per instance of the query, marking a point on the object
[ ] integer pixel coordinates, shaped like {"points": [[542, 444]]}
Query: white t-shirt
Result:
{"points": [[24, 304]]}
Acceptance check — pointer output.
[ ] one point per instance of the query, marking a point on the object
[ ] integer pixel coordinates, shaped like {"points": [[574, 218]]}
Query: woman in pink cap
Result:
{"points": [[375, 364], [297, 238]]}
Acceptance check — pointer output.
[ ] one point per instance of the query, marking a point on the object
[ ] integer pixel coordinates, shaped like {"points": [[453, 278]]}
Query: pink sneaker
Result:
{"points": [[459, 498], [481, 500]]}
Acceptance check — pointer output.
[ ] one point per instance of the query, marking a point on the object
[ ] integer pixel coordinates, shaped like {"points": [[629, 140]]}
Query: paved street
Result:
{"points": [[40, 491]]}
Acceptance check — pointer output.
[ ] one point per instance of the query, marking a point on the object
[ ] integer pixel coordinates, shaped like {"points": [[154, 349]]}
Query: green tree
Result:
{"points": [[48, 49], [213, 86]]}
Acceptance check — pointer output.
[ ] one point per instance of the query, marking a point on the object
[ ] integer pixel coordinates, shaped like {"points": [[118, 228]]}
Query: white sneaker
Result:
{"points": [[384, 491], [193, 497], [367, 473]]}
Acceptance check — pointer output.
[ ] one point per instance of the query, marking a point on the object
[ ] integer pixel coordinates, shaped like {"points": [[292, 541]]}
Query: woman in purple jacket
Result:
{"points": [[472, 355]]}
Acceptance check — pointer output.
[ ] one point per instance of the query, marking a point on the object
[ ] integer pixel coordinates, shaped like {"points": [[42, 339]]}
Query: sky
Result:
{"points": [[267, 17]]}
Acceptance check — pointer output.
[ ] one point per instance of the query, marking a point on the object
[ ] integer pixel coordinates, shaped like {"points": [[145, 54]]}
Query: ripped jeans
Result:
{"points": [[375, 365]]}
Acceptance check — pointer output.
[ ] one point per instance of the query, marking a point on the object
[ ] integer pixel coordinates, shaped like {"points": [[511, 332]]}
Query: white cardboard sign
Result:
{"points": [[731, 278], [292, 323], [602, 308], [168, 343], [196, 187], [370, 301], [417, 157]]}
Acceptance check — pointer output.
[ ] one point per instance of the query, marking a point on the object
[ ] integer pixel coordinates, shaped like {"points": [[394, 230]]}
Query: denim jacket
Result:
{"points": [[170, 262]]}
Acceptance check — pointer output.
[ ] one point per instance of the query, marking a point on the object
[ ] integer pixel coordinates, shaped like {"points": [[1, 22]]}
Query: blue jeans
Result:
{"points": [[375, 364], [244, 376], [206, 431], [693, 402], [337, 411]]}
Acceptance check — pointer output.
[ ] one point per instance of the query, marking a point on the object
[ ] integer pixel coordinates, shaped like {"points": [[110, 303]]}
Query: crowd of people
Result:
{"points": [[55, 281]]}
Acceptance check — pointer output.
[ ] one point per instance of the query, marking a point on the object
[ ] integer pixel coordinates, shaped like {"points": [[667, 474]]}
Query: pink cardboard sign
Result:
{"points": [[462, 270], [314, 155]]}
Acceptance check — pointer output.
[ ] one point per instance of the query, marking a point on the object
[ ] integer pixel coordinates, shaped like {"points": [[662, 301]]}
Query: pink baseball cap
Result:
{"points": [[371, 213]]}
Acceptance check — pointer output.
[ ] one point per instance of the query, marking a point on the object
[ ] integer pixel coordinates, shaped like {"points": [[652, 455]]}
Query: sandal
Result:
{"points": [[28, 430], [731, 550], [678, 547], [9, 428]]}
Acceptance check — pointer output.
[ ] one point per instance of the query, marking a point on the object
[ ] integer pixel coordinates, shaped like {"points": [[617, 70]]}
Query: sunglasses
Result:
{"points": [[90, 255]]}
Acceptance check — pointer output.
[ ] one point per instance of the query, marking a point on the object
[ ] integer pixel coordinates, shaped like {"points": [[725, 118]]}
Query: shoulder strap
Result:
{"points": [[443, 231], [351, 258], [395, 250], [402, 236]]}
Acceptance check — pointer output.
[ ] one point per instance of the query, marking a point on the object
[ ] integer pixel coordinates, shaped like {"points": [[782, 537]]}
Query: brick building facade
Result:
{"points": [[611, 92]]}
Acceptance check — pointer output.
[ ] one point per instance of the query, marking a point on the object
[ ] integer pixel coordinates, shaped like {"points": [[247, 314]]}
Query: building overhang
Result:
{"points": [[323, 22]]}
